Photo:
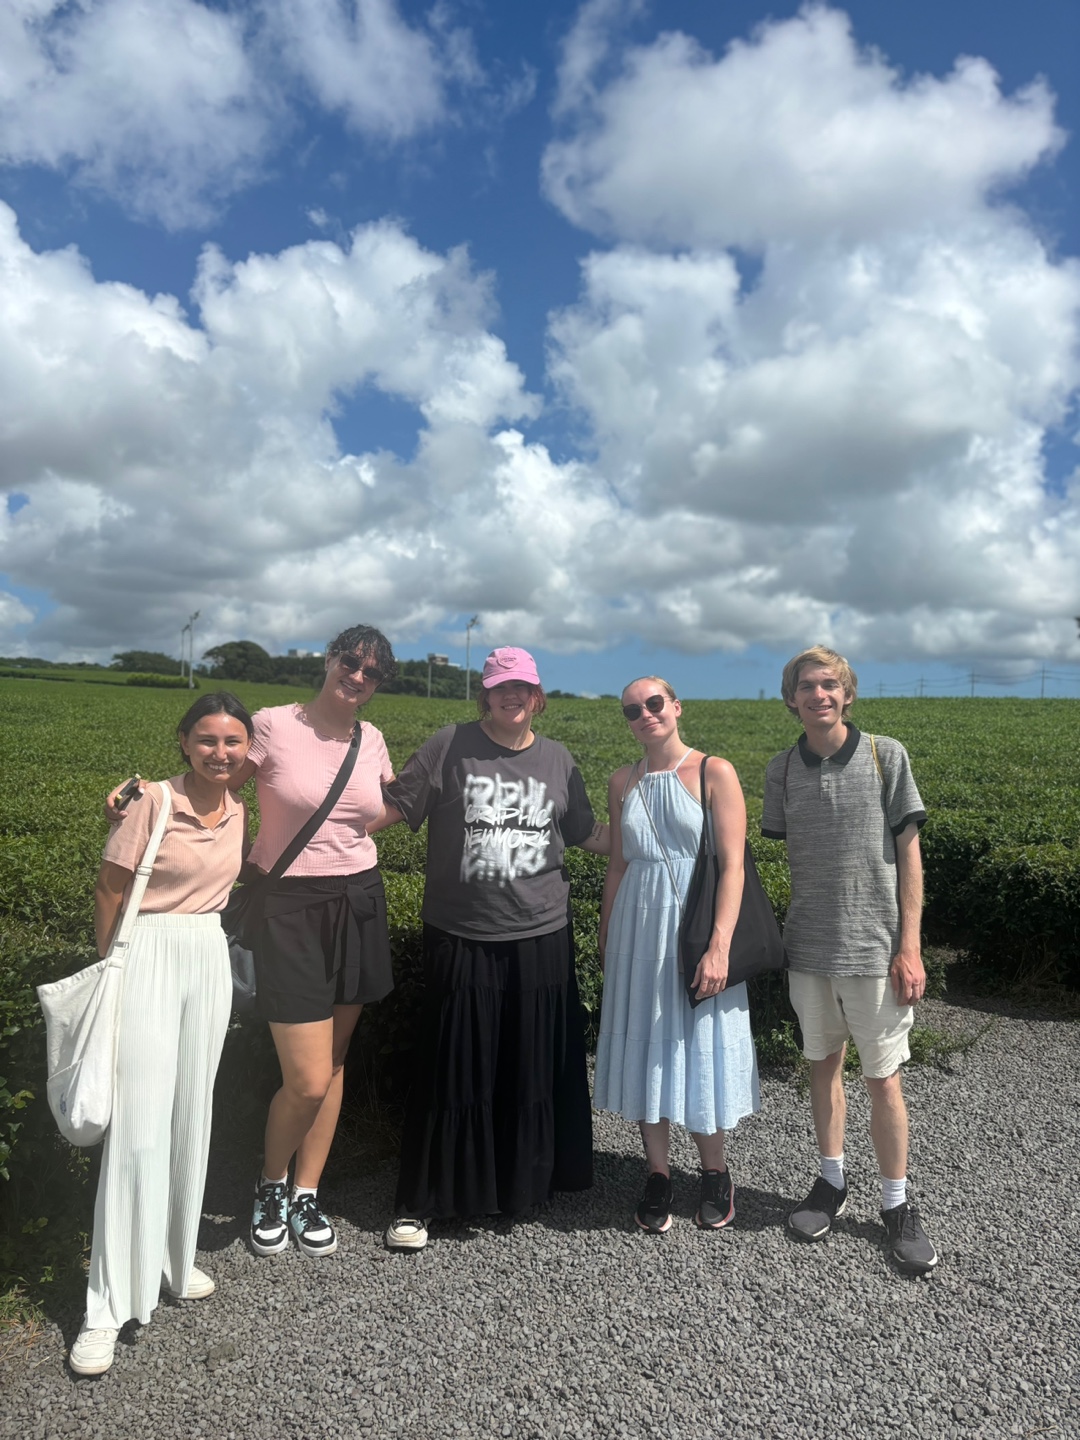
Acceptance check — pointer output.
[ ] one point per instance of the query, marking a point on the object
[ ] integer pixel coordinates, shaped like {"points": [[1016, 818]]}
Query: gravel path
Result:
{"points": [[578, 1325]]}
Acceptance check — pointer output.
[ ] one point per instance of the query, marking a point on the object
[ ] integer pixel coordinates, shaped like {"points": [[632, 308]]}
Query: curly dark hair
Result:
{"points": [[369, 644], [218, 702]]}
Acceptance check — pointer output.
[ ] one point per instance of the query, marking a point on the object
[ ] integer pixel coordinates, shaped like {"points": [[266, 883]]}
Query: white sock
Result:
{"points": [[298, 1190], [832, 1169], [265, 1180], [893, 1193]]}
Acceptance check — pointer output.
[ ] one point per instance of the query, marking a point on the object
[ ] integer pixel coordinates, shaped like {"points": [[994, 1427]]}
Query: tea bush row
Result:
{"points": [[1003, 877]]}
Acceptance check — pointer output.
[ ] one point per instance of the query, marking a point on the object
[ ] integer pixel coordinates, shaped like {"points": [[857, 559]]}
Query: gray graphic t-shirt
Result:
{"points": [[498, 823]]}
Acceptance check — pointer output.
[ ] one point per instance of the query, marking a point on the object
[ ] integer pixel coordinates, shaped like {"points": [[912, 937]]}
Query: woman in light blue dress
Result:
{"points": [[658, 1060]]}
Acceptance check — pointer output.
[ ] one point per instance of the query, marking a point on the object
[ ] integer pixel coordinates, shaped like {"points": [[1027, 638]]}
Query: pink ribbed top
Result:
{"points": [[196, 864], [295, 768]]}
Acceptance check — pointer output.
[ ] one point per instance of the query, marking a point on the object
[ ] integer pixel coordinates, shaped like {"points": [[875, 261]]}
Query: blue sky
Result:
{"points": [[666, 338]]}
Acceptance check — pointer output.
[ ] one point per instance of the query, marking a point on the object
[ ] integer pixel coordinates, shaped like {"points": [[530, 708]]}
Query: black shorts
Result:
{"points": [[323, 942]]}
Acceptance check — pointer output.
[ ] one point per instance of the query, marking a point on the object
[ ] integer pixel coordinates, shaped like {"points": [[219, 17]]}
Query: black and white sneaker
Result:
{"points": [[314, 1233], [716, 1208], [269, 1230], [813, 1219], [908, 1243], [654, 1208]]}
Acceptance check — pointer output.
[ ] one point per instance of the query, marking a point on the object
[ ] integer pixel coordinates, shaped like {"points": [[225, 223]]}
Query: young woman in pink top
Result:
{"points": [[323, 951], [174, 1011]]}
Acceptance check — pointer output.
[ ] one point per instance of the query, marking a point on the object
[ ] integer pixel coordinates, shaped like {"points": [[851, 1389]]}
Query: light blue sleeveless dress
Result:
{"points": [[657, 1058]]}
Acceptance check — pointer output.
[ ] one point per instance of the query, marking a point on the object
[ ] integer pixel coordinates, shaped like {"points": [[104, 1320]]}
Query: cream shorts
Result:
{"points": [[833, 1007]]}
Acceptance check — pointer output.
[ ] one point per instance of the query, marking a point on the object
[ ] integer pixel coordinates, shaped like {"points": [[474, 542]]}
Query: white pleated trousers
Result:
{"points": [[174, 1011]]}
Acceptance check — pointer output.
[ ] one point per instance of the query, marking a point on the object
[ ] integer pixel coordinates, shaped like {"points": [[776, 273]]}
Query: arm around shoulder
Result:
{"points": [[616, 862], [239, 778]]}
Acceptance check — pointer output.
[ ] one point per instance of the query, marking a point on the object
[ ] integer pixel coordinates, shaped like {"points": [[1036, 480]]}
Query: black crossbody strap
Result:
{"points": [[307, 830], [706, 833]]}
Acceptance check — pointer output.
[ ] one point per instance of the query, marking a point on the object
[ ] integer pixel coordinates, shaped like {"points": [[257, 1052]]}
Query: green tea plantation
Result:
{"points": [[1000, 846]]}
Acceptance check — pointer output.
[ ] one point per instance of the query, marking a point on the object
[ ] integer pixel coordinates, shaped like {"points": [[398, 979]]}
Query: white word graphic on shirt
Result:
{"points": [[507, 830]]}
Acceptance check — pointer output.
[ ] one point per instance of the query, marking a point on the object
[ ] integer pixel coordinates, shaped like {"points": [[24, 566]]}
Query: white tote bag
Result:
{"points": [[82, 1017]]}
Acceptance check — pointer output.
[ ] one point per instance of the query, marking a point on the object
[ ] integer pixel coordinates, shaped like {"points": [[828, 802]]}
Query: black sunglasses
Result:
{"points": [[353, 664], [654, 704]]}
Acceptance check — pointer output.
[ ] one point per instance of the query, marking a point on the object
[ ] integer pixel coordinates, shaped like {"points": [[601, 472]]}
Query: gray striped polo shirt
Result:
{"points": [[840, 818]]}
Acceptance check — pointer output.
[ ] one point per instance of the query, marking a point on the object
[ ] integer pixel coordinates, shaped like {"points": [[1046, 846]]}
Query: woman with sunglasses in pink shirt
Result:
{"points": [[659, 1060], [323, 951]]}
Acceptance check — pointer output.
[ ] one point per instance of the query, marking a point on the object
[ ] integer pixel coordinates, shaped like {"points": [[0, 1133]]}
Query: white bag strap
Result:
{"points": [[118, 948]]}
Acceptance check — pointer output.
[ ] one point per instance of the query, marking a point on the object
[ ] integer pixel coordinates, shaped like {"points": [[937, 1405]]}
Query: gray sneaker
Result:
{"points": [[813, 1219], [908, 1243]]}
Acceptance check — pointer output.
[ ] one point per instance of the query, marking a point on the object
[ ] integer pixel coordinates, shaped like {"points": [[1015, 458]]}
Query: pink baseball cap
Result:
{"points": [[509, 663]]}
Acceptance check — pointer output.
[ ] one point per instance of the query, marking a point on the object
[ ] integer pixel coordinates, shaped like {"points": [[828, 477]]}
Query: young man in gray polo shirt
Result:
{"points": [[847, 806]]}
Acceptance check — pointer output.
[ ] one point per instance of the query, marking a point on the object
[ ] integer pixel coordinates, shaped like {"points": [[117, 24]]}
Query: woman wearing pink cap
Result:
{"points": [[499, 1115]]}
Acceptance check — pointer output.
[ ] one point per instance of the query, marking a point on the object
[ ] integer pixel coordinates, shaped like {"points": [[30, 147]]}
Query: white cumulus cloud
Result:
{"points": [[797, 134], [852, 422], [173, 106], [171, 465], [813, 370]]}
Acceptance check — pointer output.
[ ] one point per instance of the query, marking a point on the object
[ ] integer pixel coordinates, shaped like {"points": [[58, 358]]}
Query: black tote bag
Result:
{"points": [[756, 946]]}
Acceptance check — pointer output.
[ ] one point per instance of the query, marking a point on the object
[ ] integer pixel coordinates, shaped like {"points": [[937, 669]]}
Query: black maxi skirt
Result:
{"points": [[499, 1115]]}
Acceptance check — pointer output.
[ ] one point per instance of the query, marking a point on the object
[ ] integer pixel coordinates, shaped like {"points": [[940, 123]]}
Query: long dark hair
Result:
{"points": [[218, 702]]}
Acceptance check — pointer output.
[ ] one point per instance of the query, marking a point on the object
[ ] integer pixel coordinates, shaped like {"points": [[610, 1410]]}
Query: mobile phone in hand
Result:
{"points": [[130, 791]]}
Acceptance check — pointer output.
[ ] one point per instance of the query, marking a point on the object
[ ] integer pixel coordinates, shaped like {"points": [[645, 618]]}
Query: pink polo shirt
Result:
{"points": [[296, 766], [196, 863]]}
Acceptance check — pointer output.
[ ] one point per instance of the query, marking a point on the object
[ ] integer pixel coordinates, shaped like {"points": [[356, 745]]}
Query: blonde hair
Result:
{"points": [[819, 655], [669, 690]]}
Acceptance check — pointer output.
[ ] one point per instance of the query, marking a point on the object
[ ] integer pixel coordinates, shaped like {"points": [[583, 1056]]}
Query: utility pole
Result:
{"points": [[191, 650], [468, 647], [434, 659], [1042, 688], [973, 684], [183, 648], [922, 687]]}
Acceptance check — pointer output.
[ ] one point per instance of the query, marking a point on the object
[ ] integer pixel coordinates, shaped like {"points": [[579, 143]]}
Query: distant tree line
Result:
{"points": [[244, 660], [35, 662], [146, 662]]}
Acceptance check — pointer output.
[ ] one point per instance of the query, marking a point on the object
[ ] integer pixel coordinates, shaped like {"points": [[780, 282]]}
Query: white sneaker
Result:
{"points": [[406, 1234], [92, 1353], [199, 1286]]}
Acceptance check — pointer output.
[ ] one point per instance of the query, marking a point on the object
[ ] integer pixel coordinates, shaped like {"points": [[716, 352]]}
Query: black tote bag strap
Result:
{"points": [[706, 832], [307, 830]]}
